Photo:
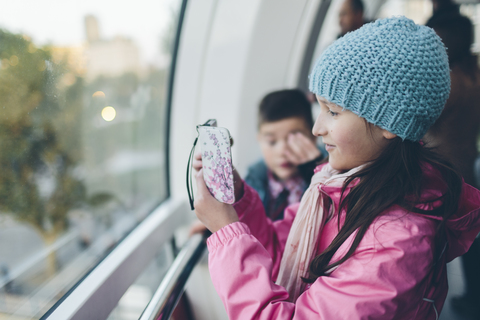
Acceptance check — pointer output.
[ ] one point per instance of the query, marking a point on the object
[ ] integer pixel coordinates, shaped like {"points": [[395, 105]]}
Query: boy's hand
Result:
{"points": [[212, 213], [301, 149]]}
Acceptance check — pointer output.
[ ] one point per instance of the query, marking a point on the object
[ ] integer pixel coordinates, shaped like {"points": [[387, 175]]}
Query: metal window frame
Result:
{"points": [[302, 81], [171, 81]]}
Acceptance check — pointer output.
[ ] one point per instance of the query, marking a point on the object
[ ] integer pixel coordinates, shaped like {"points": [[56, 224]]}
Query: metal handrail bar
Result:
{"points": [[171, 288]]}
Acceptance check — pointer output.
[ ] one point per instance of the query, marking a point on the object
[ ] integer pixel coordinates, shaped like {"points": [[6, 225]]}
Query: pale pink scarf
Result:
{"points": [[307, 225]]}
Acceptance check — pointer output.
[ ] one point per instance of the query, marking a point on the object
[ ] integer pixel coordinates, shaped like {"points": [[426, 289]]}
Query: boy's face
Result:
{"points": [[273, 137]]}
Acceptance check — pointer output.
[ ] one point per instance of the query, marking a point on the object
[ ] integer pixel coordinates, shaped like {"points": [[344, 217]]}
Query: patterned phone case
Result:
{"points": [[217, 162]]}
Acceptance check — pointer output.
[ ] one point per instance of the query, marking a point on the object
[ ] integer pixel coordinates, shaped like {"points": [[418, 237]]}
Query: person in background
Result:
{"points": [[456, 132], [350, 17], [289, 151], [442, 9]]}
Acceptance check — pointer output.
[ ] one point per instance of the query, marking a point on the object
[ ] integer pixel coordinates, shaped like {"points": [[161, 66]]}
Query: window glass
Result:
{"points": [[83, 92]]}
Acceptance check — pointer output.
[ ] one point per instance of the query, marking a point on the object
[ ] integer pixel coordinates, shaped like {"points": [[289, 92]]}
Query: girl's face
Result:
{"points": [[348, 139]]}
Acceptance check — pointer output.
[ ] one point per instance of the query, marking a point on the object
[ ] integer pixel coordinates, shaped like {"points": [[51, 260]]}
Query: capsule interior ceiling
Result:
{"points": [[113, 134]]}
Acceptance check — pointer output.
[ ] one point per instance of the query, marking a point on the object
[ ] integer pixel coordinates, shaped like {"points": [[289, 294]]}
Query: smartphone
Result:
{"points": [[215, 145]]}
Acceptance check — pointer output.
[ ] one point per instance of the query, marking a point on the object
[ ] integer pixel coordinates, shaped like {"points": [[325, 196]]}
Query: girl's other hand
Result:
{"points": [[212, 213], [301, 149], [237, 180], [196, 227]]}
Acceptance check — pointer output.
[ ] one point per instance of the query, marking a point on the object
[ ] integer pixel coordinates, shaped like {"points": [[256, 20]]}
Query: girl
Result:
{"points": [[374, 231]]}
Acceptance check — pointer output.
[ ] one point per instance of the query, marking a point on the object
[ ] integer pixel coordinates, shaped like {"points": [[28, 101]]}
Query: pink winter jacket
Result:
{"points": [[388, 277]]}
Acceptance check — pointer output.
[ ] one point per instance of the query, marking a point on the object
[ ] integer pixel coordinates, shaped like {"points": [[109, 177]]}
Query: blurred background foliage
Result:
{"points": [[39, 97]]}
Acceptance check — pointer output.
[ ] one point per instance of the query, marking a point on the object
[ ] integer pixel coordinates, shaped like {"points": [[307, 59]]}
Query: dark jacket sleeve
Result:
{"points": [[258, 180]]}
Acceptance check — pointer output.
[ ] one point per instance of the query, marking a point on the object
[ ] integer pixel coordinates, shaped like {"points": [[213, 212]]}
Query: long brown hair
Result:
{"points": [[394, 178]]}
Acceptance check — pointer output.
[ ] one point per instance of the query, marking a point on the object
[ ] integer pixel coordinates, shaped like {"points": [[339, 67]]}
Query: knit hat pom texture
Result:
{"points": [[391, 72]]}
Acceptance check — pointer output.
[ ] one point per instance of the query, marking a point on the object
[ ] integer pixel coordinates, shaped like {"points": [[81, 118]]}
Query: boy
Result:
{"points": [[289, 151]]}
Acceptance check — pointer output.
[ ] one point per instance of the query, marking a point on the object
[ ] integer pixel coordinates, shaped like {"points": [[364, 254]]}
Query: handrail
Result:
{"points": [[168, 294]]}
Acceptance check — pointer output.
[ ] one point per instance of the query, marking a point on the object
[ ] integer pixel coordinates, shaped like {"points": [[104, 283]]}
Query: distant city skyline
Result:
{"points": [[61, 22]]}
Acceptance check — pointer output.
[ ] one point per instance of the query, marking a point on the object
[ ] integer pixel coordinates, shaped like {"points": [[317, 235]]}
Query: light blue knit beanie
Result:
{"points": [[391, 72]]}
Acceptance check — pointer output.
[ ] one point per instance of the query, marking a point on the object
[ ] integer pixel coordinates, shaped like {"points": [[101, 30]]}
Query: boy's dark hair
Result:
{"points": [[284, 104]]}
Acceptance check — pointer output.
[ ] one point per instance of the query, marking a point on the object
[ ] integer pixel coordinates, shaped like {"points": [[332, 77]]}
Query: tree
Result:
{"points": [[37, 184]]}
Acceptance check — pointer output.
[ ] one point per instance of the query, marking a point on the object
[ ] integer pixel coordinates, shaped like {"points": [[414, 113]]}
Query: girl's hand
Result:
{"points": [[197, 161], [237, 180], [212, 213], [301, 149]]}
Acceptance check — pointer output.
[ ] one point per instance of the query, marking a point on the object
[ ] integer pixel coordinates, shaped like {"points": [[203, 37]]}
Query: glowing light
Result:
{"points": [[98, 94], [108, 113], [13, 60]]}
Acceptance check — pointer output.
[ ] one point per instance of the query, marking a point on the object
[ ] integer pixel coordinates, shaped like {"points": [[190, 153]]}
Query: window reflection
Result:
{"points": [[82, 138]]}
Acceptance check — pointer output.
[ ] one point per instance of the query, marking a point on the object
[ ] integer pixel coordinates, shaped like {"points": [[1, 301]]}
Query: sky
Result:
{"points": [[61, 22]]}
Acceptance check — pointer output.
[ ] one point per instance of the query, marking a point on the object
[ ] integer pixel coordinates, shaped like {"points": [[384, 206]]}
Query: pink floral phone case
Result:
{"points": [[217, 162]]}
